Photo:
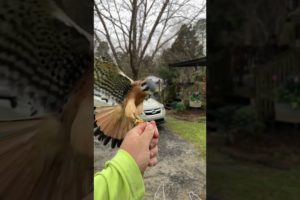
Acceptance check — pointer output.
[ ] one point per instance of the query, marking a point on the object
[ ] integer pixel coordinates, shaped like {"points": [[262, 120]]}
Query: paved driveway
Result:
{"points": [[180, 173]]}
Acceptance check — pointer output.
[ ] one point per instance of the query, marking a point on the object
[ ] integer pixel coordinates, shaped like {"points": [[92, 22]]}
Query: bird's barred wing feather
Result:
{"points": [[110, 81], [39, 64]]}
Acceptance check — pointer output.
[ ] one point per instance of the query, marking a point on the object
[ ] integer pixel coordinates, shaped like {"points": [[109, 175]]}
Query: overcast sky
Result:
{"points": [[188, 11]]}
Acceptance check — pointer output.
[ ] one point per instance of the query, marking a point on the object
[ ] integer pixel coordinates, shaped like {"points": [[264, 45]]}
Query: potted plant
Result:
{"points": [[195, 100], [287, 101]]}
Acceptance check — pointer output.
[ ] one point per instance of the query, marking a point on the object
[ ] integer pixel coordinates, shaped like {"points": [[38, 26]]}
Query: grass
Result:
{"points": [[232, 179], [194, 132]]}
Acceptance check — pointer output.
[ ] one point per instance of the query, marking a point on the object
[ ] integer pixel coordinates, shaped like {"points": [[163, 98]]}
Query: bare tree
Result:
{"points": [[142, 27]]}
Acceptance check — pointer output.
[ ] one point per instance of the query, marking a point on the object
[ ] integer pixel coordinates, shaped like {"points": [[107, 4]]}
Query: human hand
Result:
{"points": [[141, 143], [153, 147]]}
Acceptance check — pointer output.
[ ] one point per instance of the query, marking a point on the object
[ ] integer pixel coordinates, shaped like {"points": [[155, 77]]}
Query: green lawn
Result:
{"points": [[194, 132], [240, 180]]}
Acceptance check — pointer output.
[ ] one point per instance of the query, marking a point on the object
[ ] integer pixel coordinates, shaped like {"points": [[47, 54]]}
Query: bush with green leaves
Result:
{"points": [[238, 122], [180, 106], [246, 121], [199, 75], [173, 104], [167, 75]]}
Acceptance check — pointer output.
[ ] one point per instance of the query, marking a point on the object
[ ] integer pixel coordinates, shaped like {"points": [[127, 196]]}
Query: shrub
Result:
{"points": [[238, 122], [173, 104], [180, 106], [246, 122]]}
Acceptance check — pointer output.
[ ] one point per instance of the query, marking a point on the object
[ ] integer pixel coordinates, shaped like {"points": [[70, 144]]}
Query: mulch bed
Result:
{"points": [[187, 115]]}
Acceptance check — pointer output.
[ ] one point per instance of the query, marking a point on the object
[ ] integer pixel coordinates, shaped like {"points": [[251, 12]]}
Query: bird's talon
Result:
{"points": [[138, 121]]}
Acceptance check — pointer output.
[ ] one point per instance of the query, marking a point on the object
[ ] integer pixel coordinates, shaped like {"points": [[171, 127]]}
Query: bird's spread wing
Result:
{"points": [[111, 123], [39, 64], [110, 81], [43, 57]]}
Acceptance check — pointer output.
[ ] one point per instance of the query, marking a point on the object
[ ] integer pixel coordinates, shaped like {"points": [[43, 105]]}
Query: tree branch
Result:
{"points": [[107, 35], [153, 29], [124, 33]]}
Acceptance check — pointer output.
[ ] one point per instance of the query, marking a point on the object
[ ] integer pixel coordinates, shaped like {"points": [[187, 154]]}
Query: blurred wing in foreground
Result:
{"points": [[45, 103]]}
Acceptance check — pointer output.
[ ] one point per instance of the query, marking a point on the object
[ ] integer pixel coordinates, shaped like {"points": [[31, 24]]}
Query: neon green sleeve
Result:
{"points": [[120, 179]]}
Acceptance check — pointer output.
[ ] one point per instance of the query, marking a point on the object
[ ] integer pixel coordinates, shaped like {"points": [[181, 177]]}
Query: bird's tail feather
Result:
{"points": [[112, 121]]}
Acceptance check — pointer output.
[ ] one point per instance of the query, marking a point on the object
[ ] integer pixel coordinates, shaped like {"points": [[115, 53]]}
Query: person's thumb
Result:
{"points": [[148, 132], [140, 128]]}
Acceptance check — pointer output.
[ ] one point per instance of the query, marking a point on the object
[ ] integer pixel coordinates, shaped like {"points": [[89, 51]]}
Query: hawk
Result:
{"points": [[114, 121], [46, 98]]}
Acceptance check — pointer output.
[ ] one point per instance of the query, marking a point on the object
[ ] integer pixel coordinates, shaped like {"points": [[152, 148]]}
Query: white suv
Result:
{"points": [[153, 110]]}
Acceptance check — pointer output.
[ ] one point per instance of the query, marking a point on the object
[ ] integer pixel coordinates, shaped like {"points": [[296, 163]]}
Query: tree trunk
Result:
{"points": [[135, 72]]}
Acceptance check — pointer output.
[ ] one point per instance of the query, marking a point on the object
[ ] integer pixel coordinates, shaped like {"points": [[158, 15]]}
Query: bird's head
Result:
{"points": [[148, 86]]}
